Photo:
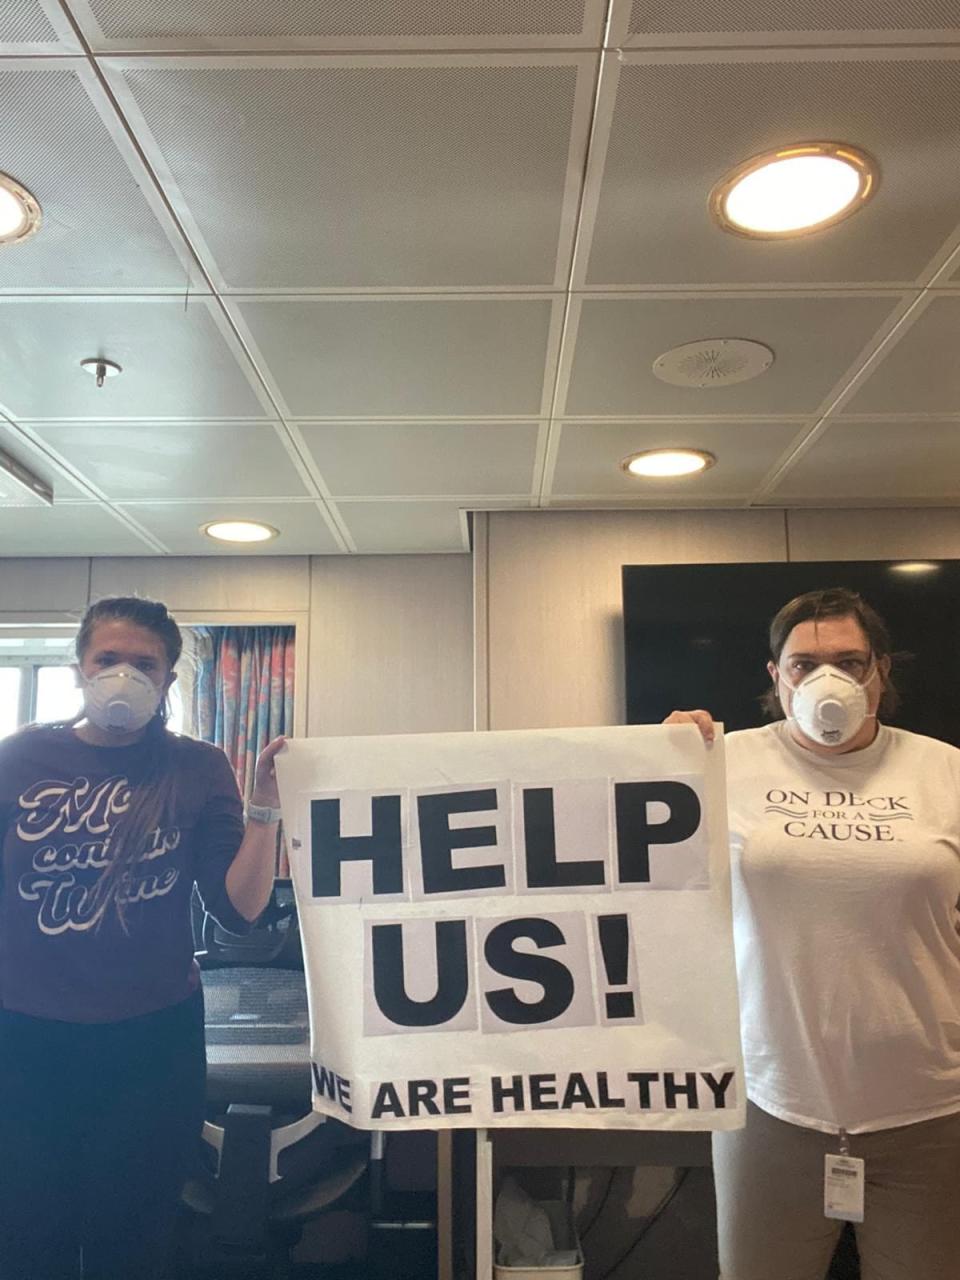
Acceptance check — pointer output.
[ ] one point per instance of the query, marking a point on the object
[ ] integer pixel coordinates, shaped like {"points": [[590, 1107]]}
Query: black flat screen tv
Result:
{"points": [[696, 635]]}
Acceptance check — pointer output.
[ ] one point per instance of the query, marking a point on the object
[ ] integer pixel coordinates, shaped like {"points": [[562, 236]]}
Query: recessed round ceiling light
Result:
{"points": [[915, 566], [795, 190], [239, 531], [20, 214], [659, 463]]}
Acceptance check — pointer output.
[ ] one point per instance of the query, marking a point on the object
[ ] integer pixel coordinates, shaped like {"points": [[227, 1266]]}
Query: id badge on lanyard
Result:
{"points": [[843, 1184]]}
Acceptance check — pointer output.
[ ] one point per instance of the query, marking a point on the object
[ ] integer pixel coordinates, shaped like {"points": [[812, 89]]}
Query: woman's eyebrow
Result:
{"points": [[840, 653], [112, 653]]}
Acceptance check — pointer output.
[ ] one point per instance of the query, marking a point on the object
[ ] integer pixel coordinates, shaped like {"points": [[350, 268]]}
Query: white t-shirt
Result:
{"points": [[846, 884]]}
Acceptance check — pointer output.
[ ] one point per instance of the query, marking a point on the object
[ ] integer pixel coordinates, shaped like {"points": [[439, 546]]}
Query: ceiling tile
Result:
{"points": [[453, 458], [376, 175], [816, 17], [921, 373], [397, 527], [24, 22], [388, 193], [898, 461], [28, 27], [589, 457], [35, 460], [679, 128], [291, 24], [16, 490], [175, 361], [303, 530], [98, 230], [814, 340], [403, 357], [142, 460], [71, 530]]}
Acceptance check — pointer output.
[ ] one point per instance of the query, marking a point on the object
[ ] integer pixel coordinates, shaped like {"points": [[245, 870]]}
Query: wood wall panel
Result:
{"points": [[917, 534], [391, 645], [34, 586], [207, 583]]}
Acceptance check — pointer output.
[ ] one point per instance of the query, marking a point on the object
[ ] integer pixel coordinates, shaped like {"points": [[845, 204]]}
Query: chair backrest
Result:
{"points": [[256, 1014], [268, 1157], [274, 943]]}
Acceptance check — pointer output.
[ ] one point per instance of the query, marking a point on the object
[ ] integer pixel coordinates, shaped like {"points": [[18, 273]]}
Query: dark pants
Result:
{"points": [[98, 1127]]}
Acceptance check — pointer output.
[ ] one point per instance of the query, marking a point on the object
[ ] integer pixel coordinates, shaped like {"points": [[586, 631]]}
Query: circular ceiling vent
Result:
{"points": [[714, 362]]}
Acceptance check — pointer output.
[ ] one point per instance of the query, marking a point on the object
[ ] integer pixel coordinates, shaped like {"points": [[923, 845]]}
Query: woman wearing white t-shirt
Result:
{"points": [[845, 845]]}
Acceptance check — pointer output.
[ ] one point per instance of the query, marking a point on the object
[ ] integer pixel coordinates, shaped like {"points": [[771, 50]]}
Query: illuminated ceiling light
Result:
{"points": [[915, 566], [20, 214], [794, 191], [660, 463], [239, 531]]}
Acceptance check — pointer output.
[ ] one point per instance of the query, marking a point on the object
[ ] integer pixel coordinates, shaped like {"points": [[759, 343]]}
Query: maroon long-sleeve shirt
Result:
{"points": [[62, 954]]}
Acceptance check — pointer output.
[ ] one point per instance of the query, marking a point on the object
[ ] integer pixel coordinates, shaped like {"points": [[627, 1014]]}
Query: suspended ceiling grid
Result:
{"points": [[368, 268]]}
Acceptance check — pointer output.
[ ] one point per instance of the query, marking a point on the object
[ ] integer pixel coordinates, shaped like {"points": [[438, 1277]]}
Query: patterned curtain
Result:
{"points": [[243, 692]]}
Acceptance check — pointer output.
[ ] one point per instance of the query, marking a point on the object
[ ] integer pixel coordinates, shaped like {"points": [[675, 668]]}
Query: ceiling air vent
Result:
{"points": [[713, 362]]}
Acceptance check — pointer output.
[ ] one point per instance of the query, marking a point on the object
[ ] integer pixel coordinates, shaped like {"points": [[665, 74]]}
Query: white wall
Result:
{"points": [[549, 646], [384, 642], [394, 644], [391, 647]]}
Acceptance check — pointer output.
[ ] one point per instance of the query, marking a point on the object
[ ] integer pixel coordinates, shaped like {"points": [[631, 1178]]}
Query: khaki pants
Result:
{"points": [[769, 1179]]}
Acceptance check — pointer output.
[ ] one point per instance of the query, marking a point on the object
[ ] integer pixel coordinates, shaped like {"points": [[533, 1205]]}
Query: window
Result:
{"points": [[9, 699], [57, 695], [37, 681]]}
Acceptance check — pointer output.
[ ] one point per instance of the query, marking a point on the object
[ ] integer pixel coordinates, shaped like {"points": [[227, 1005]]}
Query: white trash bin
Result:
{"points": [[564, 1238]]}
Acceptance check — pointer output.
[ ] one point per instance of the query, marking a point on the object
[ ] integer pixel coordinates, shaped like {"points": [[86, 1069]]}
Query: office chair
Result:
{"points": [[268, 1162]]}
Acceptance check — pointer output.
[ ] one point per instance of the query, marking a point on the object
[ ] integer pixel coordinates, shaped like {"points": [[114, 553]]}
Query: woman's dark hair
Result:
{"points": [[152, 791], [831, 602], [150, 614]]}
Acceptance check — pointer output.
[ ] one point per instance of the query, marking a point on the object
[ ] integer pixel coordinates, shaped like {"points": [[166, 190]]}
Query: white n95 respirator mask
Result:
{"points": [[829, 706], [121, 699]]}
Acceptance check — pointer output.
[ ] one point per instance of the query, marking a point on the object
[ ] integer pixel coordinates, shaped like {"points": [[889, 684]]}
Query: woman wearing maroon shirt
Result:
{"points": [[106, 824]]}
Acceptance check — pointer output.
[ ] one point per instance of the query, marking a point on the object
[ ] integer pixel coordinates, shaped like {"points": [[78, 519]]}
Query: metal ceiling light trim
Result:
{"points": [[696, 462], [255, 531], [713, 362], [30, 205], [862, 164]]}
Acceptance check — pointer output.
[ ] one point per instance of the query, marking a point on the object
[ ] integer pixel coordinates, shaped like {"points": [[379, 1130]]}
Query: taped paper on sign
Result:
{"points": [[516, 928]]}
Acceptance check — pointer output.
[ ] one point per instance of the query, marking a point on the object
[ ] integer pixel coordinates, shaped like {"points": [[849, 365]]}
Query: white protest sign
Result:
{"points": [[522, 928]]}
